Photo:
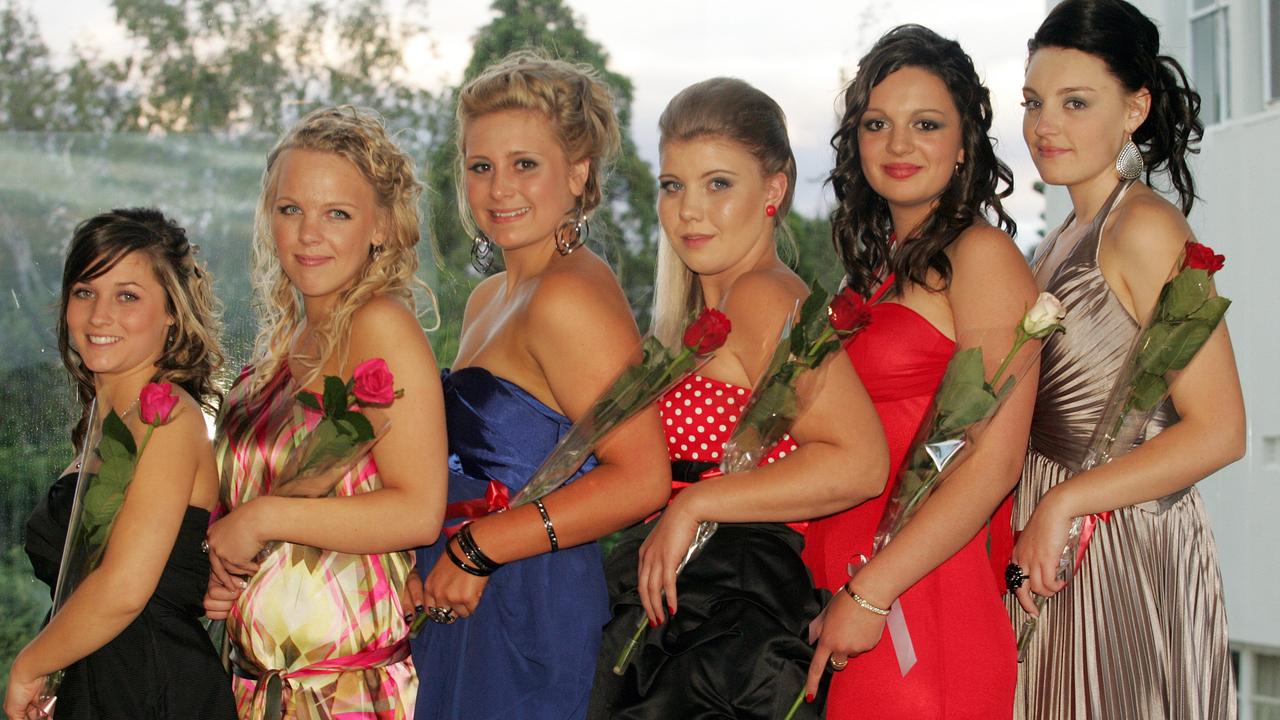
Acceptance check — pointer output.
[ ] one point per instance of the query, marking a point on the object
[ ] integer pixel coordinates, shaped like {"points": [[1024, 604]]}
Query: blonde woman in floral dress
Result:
{"points": [[318, 624]]}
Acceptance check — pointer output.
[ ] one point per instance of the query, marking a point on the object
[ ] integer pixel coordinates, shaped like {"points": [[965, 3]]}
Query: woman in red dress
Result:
{"points": [[916, 176]]}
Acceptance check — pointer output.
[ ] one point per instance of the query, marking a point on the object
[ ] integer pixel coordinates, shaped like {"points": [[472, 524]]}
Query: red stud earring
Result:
{"points": [[770, 210]]}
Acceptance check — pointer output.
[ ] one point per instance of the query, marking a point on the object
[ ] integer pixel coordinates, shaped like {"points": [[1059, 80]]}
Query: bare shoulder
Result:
{"points": [[1146, 233], [983, 249], [764, 295], [187, 422], [580, 291], [382, 319], [481, 294]]}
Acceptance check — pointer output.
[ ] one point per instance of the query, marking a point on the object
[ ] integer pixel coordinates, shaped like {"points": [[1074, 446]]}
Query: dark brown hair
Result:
{"points": [[861, 223], [191, 355]]}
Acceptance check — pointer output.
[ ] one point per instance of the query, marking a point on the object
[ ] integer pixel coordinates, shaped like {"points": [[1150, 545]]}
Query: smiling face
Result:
{"points": [[910, 140], [1077, 117], [325, 219], [712, 202], [119, 320], [519, 183]]}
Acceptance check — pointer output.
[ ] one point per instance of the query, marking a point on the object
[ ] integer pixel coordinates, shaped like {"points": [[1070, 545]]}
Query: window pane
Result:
{"points": [[1204, 65], [1267, 676], [1273, 30], [1266, 711]]}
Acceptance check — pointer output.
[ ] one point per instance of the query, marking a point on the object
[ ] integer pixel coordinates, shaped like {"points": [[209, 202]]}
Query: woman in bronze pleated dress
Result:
{"points": [[1140, 632]]}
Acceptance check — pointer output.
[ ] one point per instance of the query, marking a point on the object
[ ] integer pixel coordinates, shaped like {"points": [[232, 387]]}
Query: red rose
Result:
{"points": [[708, 332], [848, 312], [374, 384], [1201, 257], [156, 402]]}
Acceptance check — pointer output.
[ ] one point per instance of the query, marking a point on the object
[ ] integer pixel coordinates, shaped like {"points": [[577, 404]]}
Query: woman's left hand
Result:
{"points": [[20, 696], [449, 587], [845, 629], [235, 540], [1039, 548], [660, 555]]}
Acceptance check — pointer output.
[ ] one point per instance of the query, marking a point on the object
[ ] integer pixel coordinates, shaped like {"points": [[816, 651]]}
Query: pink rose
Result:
{"points": [[374, 384], [156, 403]]}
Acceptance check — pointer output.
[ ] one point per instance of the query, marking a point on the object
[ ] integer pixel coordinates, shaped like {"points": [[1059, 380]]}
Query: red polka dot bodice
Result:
{"points": [[699, 414]]}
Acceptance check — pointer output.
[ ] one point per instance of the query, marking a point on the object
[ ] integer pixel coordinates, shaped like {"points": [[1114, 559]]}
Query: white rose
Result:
{"points": [[1044, 317]]}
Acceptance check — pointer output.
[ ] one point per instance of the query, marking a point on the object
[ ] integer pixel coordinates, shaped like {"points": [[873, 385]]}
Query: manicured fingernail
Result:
{"points": [[653, 623], [672, 610], [808, 697]]}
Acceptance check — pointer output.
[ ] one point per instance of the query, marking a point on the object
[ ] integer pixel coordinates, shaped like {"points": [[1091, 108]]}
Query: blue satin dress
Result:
{"points": [[529, 651]]}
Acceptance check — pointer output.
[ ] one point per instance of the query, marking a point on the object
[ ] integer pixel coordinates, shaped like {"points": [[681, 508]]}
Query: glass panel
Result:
{"points": [[1273, 31], [1204, 66], [1266, 711], [1201, 4], [1266, 673]]}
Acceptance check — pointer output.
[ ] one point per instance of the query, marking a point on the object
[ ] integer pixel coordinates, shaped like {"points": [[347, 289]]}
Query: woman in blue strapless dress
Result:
{"points": [[517, 599]]}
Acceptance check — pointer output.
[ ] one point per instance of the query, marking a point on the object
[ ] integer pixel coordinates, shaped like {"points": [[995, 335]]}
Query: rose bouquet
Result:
{"points": [[824, 323], [108, 458], [1186, 313]]}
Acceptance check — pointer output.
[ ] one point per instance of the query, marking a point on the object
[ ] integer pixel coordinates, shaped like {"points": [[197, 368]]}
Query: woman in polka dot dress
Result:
{"points": [[730, 637]]}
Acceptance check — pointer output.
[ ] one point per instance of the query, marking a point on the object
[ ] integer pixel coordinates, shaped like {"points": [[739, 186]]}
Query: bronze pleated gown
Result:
{"points": [[1141, 631]]}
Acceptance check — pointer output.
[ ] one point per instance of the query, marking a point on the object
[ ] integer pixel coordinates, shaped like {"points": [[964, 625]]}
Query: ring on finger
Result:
{"points": [[441, 615], [1014, 577], [837, 664]]}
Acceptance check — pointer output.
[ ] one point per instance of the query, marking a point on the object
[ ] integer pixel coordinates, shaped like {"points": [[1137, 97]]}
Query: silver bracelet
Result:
{"points": [[848, 587], [546, 524]]}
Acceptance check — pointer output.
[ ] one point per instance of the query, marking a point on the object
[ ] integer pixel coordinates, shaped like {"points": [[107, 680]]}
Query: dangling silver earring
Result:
{"points": [[376, 252], [572, 232], [1129, 163], [482, 253]]}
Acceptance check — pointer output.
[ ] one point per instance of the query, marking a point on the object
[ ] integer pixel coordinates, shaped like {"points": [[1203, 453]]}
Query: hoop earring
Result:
{"points": [[482, 253], [571, 233], [1129, 164]]}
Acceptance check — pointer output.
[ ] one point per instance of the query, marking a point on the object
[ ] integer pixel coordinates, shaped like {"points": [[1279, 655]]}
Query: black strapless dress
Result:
{"points": [[162, 665]]}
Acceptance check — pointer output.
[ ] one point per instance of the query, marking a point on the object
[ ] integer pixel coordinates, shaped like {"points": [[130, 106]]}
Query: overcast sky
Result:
{"points": [[796, 51]]}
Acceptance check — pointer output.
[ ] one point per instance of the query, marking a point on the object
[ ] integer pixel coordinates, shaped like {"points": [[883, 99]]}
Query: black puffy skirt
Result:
{"points": [[738, 646]]}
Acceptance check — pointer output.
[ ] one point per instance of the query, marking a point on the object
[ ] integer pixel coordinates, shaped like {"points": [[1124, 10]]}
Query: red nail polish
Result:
{"points": [[672, 610], [808, 697], [653, 623]]}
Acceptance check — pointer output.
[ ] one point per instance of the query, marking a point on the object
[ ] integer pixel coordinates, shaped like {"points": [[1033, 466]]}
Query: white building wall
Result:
{"points": [[1238, 179]]}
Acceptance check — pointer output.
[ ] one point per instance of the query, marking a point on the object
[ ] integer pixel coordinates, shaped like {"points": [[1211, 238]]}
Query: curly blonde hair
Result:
{"points": [[358, 136], [571, 96], [191, 353]]}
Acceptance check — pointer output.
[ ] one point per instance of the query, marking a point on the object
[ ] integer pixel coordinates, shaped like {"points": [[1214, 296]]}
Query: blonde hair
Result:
{"points": [[358, 136], [191, 354], [571, 96], [731, 109]]}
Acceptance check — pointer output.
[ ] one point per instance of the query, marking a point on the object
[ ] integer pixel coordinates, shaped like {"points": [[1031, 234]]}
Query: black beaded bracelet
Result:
{"points": [[458, 561], [546, 524], [468, 545]]}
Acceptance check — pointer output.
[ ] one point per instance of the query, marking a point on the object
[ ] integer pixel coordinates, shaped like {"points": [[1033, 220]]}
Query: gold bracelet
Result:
{"points": [[848, 587]]}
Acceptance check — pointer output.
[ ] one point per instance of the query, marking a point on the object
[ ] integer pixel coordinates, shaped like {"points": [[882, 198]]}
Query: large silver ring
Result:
{"points": [[441, 615], [204, 546], [837, 666]]}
